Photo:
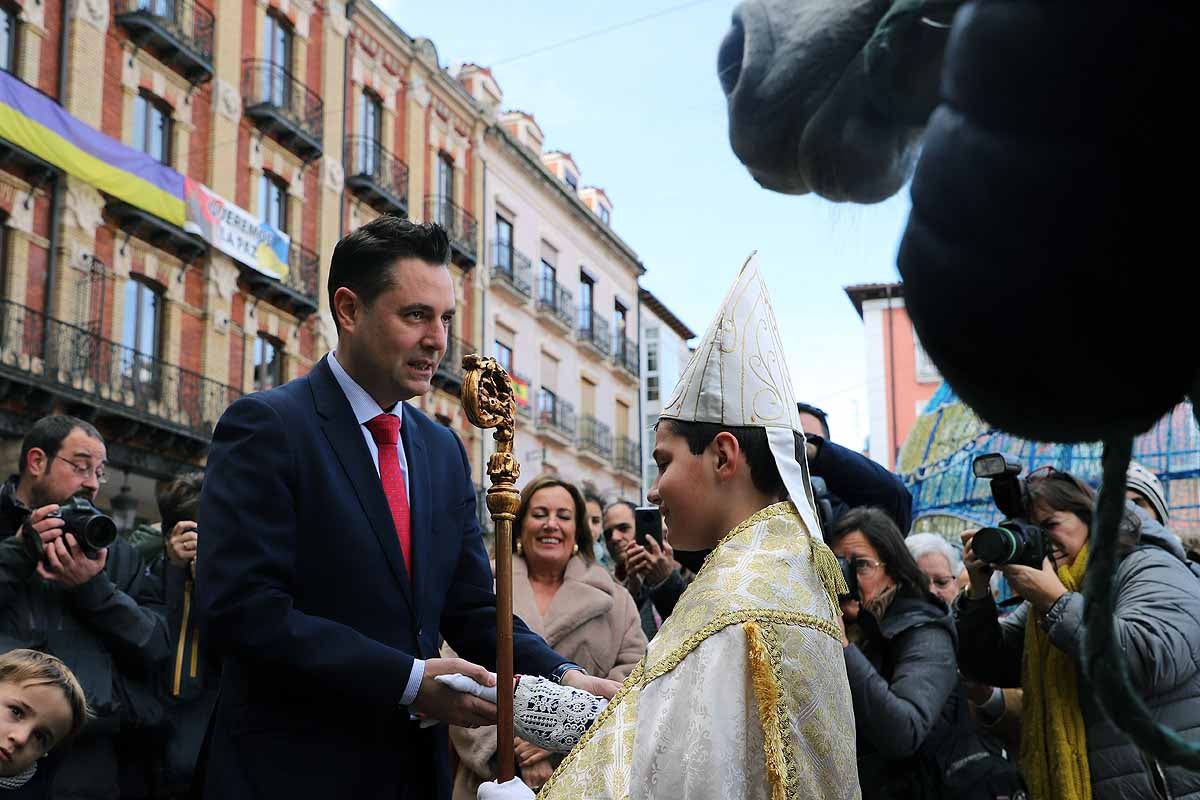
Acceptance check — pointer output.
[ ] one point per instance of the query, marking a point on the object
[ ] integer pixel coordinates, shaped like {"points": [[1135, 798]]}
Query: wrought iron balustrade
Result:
{"points": [[78, 363], [595, 437], [180, 32], [557, 301], [627, 457], [284, 106], [594, 331], [512, 267], [460, 226], [376, 175], [555, 415], [626, 355]]}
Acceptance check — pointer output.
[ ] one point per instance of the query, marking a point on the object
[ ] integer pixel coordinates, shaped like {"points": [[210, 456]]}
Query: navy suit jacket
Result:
{"points": [[302, 589]]}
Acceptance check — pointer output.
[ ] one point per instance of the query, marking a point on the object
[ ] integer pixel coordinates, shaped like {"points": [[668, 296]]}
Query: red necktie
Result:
{"points": [[385, 430]]}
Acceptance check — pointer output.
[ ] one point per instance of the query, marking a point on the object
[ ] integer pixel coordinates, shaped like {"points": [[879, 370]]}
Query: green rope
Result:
{"points": [[894, 34], [1104, 662]]}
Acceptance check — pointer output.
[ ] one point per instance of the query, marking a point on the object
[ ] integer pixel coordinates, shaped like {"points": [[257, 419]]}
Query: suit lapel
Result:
{"points": [[345, 437], [420, 502]]}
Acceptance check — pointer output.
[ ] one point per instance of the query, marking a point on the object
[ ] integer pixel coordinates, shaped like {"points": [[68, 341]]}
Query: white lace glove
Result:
{"points": [[509, 790], [553, 716]]}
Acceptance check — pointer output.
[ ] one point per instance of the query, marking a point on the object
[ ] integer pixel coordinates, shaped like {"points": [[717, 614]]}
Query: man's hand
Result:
{"points": [[537, 773], [47, 527], [978, 573], [602, 687], [69, 567], [444, 704], [653, 564], [182, 542], [528, 753], [509, 790], [1041, 587]]}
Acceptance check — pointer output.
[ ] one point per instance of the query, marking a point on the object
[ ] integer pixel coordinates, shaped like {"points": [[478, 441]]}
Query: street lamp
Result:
{"points": [[124, 508]]}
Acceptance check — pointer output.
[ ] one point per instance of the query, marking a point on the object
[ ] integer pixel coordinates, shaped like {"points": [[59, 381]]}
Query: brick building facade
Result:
{"points": [[136, 136]]}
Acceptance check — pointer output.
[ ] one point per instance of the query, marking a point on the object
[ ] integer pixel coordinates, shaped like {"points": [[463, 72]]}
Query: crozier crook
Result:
{"points": [[487, 399]]}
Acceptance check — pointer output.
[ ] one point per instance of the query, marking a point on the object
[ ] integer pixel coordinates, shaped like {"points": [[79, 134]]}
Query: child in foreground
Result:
{"points": [[42, 707]]}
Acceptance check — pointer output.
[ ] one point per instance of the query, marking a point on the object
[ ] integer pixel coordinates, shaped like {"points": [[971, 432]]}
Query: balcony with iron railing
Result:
{"points": [[460, 226], [178, 32], [627, 458], [555, 418], [449, 373], [594, 333], [595, 440], [81, 366], [555, 304], [625, 357], [374, 174], [297, 292], [284, 107], [511, 270]]}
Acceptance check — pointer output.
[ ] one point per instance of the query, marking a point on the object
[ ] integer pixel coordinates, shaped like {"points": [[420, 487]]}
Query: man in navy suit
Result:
{"points": [[339, 544]]}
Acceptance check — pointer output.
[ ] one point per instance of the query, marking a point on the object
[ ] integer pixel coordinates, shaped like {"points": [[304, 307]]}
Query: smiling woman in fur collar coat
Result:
{"points": [[570, 601]]}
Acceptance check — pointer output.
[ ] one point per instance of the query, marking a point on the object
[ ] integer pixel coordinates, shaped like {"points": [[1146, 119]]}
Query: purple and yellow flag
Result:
{"points": [[37, 124]]}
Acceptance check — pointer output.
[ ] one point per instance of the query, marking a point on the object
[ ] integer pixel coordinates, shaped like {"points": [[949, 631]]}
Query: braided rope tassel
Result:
{"points": [[828, 570], [766, 693]]}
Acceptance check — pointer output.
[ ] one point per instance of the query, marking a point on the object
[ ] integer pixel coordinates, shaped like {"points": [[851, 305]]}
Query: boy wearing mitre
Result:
{"points": [[743, 692]]}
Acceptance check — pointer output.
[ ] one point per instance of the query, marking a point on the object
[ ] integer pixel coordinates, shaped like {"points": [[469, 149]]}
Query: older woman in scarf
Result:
{"points": [[1069, 748]]}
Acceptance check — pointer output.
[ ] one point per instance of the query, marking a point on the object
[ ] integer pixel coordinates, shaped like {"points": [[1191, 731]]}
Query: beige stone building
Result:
{"points": [[561, 306]]}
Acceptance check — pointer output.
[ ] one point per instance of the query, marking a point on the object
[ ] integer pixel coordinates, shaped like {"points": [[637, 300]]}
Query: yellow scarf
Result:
{"points": [[1053, 739]]}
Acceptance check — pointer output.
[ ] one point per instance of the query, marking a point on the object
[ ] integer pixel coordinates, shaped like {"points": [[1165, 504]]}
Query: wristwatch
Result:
{"points": [[562, 669]]}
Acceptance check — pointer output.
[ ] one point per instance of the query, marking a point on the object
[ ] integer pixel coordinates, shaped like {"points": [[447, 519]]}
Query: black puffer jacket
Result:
{"points": [[902, 674], [1158, 626]]}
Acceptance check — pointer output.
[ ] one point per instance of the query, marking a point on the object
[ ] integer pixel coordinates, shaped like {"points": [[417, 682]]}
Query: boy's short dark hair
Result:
{"points": [[753, 442], [48, 434], [361, 260], [180, 500]]}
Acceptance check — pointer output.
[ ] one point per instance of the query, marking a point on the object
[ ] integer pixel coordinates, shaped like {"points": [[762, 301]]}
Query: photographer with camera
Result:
{"points": [[70, 587], [843, 479], [1069, 748]]}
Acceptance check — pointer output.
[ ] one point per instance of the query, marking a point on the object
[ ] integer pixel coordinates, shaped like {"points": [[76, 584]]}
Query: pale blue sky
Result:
{"points": [[640, 110]]}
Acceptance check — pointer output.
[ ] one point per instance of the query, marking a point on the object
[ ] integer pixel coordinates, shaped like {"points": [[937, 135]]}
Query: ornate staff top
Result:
{"points": [[487, 399]]}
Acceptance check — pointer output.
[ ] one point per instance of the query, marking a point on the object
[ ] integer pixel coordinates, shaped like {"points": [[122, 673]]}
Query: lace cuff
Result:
{"points": [[553, 716]]}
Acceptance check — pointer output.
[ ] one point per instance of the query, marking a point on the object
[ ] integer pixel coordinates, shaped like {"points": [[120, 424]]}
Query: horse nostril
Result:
{"points": [[729, 57]]}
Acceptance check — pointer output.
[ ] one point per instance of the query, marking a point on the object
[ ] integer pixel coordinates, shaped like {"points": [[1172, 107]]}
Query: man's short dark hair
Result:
{"points": [[361, 260], [180, 500], [753, 442], [48, 434], [805, 408]]}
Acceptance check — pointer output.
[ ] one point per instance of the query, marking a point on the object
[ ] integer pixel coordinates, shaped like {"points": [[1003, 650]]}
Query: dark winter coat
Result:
{"points": [[902, 673], [1158, 626], [108, 631]]}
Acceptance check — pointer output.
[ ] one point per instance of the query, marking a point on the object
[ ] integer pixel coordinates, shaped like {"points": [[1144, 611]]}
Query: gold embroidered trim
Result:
{"points": [[767, 697], [634, 681], [763, 514], [681, 651], [641, 677]]}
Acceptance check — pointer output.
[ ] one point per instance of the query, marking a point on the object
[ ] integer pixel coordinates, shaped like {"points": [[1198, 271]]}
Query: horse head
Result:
{"points": [[831, 96]]}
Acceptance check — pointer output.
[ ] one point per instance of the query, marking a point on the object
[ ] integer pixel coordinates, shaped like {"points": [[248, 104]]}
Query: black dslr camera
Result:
{"points": [[850, 573], [93, 529], [1016, 540]]}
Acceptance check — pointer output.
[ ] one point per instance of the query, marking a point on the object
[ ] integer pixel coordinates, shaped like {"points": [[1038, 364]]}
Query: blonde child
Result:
{"points": [[42, 706]]}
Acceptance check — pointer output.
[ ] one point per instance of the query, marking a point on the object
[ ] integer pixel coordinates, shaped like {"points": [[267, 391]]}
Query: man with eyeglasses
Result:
{"points": [[93, 613]]}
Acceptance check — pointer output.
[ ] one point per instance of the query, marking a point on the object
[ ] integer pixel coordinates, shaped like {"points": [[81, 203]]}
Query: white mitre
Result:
{"points": [[739, 377]]}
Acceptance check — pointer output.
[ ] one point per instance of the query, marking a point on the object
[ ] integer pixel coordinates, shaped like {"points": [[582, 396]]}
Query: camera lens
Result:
{"points": [[100, 531], [995, 545]]}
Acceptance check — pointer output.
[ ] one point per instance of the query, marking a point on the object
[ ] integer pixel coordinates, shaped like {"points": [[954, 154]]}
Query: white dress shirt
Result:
{"points": [[366, 409]]}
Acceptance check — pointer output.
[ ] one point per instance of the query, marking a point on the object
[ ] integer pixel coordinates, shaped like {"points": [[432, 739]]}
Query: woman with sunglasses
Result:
{"points": [[1069, 748], [899, 644]]}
